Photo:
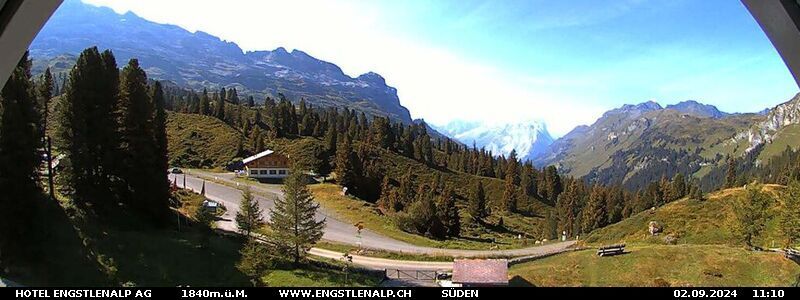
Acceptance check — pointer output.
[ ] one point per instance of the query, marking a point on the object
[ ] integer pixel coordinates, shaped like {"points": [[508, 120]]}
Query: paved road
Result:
{"points": [[335, 229]]}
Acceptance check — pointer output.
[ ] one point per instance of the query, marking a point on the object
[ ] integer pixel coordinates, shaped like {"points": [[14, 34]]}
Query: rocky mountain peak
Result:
{"points": [[695, 108]]}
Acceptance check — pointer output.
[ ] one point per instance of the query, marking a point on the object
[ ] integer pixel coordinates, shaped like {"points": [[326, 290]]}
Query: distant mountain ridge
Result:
{"points": [[698, 109], [529, 139], [634, 145], [198, 60]]}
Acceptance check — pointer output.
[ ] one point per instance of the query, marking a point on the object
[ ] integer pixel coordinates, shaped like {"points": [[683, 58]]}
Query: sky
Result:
{"points": [[560, 62]]}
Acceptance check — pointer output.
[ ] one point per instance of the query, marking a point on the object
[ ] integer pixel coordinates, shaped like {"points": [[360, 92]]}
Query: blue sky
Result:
{"points": [[562, 62]]}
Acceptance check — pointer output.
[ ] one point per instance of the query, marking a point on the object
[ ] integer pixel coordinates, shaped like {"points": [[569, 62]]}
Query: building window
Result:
{"points": [[282, 172], [272, 172]]}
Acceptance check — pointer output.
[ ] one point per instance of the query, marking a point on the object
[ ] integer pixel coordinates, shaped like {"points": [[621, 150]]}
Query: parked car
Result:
{"points": [[176, 171]]}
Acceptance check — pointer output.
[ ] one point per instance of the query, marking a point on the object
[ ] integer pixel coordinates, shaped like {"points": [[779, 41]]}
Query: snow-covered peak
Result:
{"points": [[528, 138]]}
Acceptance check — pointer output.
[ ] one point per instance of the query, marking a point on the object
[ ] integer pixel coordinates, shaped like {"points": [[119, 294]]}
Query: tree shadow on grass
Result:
{"points": [[80, 250], [518, 281]]}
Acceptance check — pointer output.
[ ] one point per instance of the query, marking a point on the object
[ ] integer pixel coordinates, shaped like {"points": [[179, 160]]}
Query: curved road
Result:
{"points": [[335, 229]]}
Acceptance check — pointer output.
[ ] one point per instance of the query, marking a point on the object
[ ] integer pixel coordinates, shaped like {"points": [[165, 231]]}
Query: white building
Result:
{"points": [[267, 164]]}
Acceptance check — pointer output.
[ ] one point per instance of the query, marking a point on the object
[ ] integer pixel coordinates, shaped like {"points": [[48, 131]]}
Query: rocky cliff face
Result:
{"points": [[785, 114], [199, 60]]}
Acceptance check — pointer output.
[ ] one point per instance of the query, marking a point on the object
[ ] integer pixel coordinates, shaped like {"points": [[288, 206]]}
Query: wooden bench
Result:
{"points": [[611, 250], [792, 254]]}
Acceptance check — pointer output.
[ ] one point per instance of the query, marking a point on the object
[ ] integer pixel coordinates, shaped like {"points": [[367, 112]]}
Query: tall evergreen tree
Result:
{"points": [[219, 105], [595, 213], [144, 160], [511, 182], [249, 217], [730, 175], [205, 105], [477, 204], [751, 213], [790, 215], [20, 139], [292, 219], [567, 208], [345, 171], [88, 128], [45, 93], [447, 212]]}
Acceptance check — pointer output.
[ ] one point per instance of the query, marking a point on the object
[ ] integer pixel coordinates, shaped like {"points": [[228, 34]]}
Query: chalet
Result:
{"points": [[267, 164], [480, 272]]}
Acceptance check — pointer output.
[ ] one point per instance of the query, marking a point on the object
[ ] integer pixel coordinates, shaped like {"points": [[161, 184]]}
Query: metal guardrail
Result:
{"points": [[424, 275]]}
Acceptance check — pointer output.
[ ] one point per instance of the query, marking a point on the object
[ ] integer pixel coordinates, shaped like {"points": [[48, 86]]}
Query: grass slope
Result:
{"points": [[660, 265], [81, 250], [355, 210], [692, 222], [200, 141]]}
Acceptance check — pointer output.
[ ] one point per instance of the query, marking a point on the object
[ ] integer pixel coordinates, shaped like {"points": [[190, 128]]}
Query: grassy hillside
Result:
{"points": [[200, 141], [81, 250], [692, 222], [660, 265], [395, 165]]}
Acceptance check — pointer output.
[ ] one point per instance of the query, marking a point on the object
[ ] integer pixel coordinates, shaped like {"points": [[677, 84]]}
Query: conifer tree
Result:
{"points": [[594, 214], [511, 182], [730, 175], [292, 219], [20, 139], [477, 204], [345, 173], [249, 217], [88, 128], [219, 106], [567, 208], [205, 105], [751, 213], [790, 215], [45, 93], [448, 212], [143, 142]]}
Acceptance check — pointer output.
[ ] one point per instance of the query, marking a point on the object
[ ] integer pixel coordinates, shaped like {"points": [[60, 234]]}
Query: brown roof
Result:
{"points": [[480, 271]]}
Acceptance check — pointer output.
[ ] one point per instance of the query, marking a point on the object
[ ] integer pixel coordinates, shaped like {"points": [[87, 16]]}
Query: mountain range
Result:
{"points": [[529, 139], [199, 60], [637, 144], [631, 145]]}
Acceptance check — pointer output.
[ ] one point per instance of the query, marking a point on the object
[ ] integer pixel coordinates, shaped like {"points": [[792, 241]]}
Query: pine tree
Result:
{"points": [[751, 213], [511, 182], [20, 139], [345, 173], [567, 208], [477, 204], [447, 212], [678, 186], [730, 175], [594, 214], [88, 128], [45, 93], [219, 106], [256, 260], [790, 215], [386, 190], [249, 217], [205, 105], [292, 219], [161, 193]]}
